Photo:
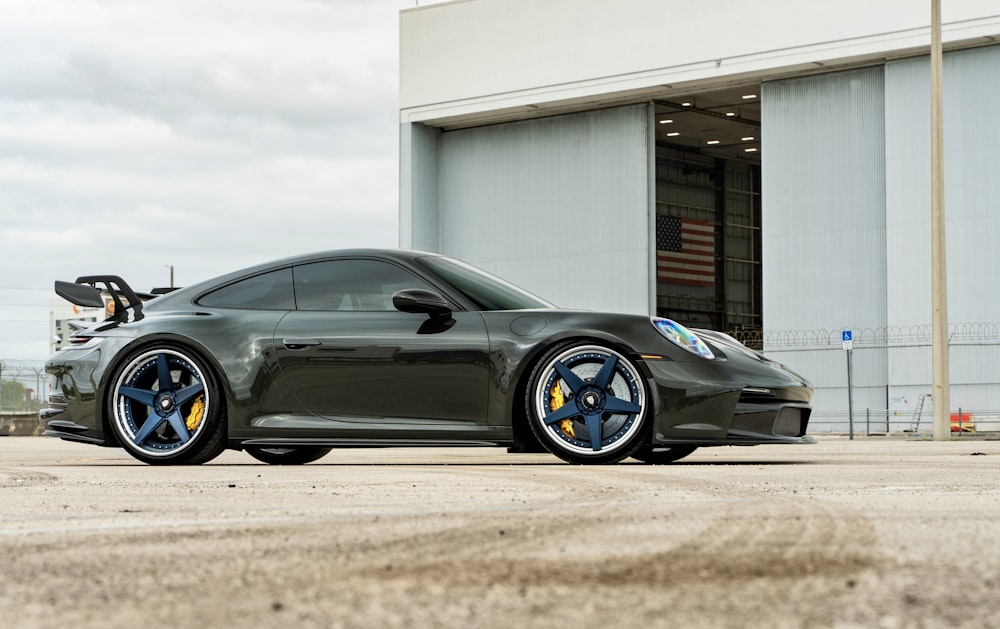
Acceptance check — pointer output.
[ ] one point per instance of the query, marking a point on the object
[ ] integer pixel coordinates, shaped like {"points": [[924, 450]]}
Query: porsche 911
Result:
{"points": [[382, 348]]}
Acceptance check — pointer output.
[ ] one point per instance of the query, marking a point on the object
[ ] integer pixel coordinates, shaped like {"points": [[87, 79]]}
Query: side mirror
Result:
{"points": [[420, 301], [80, 294]]}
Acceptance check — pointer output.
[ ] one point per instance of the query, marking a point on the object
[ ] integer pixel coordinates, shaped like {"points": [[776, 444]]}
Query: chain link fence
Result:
{"points": [[23, 385], [965, 423]]}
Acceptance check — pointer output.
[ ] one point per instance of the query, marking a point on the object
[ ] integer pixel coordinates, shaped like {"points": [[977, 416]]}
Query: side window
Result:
{"points": [[351, 285], [268, 291]]}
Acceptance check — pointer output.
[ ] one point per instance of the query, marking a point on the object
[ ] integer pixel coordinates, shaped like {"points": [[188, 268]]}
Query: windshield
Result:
{"points": [[488, 292]]}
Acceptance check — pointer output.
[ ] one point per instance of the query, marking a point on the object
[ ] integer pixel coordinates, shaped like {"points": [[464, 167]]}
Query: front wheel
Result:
{"points": [[588, 404], [273, 455], [165, 407], [658, 455]]}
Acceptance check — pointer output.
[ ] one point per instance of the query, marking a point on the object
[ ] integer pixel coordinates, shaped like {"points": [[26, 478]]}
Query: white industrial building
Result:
{"points": [[757, 167]]}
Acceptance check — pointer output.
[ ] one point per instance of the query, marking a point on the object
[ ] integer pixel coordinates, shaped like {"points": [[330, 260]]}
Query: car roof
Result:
{"points": [[189, 293]]}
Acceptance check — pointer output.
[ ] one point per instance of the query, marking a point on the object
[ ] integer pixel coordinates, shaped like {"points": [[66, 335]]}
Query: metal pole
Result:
{"points": [[850, 394], [941, 397]]}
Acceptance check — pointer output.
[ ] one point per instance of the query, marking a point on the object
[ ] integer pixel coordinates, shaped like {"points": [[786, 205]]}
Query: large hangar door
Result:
{"points": [[708, 218], [559, 205]]}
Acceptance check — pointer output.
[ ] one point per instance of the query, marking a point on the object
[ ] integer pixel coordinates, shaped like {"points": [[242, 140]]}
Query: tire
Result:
{"points": [[588, 404], [165, 408], [273, 455], [658, 455]]}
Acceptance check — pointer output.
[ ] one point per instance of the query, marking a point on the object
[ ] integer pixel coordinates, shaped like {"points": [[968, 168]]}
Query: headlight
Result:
{"points": [[682, 336]]}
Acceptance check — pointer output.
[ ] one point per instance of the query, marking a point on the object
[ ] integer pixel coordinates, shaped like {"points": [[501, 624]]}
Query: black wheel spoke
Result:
{"points": [[607, 372], [142, 396], [163, 373], [573, 381], [595, 427], [148, 428], [187, 393], [177, 423], [617, 405], [565, 411]]}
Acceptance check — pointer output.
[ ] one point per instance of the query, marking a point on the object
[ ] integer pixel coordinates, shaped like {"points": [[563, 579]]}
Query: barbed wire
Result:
{"points": [[971, 333], [16, 366]]}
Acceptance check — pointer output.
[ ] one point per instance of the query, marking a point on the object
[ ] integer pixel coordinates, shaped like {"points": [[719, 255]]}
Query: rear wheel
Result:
{"points": [[588, 403], [656, 455], [165, 407], [287, 456]]}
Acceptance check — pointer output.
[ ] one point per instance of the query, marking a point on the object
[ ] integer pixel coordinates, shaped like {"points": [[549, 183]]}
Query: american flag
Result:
{"points": [[685, 251]]}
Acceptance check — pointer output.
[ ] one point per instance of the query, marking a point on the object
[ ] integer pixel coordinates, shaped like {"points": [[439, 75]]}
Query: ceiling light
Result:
{"points": [[730, 113], [685, 104], [749, 96], [748, 138], [666, 121], [750, 150], [672, 134], [712, 142]]}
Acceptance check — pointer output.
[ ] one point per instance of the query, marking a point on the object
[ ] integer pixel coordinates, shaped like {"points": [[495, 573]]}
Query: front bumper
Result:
{"points": [[729, 402]]}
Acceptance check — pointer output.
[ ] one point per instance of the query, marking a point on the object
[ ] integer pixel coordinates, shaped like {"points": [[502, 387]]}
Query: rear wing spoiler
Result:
{"points": [[86, 292]]}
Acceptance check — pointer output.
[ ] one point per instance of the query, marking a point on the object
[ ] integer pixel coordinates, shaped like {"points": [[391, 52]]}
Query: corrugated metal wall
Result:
{"points": [[972, 189], [846, 230], [824, 226], [558, 205]]}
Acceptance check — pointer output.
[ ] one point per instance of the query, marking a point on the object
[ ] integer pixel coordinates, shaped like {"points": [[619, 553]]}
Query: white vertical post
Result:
{"points": [[939, 276]]}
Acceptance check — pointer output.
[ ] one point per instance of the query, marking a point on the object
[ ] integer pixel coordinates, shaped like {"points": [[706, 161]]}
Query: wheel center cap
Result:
{"points": [[591, 400], [166, 403]]}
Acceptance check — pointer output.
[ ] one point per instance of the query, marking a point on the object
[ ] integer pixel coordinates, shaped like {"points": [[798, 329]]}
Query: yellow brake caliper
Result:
{"points": [[556, 402], [197, 411]]}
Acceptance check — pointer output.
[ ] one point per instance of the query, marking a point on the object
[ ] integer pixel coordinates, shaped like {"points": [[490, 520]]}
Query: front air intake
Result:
{"points": [[788, 423]]}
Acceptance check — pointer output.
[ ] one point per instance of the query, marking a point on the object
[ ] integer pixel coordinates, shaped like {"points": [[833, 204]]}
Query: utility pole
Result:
{"points": [[941, 397]]}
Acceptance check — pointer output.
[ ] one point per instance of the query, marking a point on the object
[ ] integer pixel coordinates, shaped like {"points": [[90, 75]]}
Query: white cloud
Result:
{"points": [[136, 134]]}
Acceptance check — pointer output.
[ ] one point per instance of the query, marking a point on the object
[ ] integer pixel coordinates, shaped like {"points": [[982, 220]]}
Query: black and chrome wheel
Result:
{"points": [[657, 455], [164, 407], [587, 404], [299, 455]]}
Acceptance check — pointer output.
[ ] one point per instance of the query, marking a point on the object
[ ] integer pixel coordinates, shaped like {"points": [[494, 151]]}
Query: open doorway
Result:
{"points": [[708, 204]]}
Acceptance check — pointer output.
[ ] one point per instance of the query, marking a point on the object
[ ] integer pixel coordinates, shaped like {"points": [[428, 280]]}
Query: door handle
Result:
{"points": [[294, 343]]}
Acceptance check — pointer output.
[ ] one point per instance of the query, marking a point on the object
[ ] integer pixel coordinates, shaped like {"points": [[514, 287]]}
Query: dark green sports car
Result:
{"points": [[372, 348]]}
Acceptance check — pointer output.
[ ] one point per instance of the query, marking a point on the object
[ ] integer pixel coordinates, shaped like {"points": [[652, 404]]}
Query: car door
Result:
{"points": [[347, 354]]}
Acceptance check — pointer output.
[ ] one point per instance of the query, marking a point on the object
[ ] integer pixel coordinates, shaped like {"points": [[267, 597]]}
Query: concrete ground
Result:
{"points": [[865, 533]]}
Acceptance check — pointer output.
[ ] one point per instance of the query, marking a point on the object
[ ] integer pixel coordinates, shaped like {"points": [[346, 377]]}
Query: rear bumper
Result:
{"points": [[73, 412]]}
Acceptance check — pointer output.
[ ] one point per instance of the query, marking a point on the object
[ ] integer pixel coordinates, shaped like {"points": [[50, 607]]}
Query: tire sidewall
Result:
{"points": [[294, 456], [662, 455]]}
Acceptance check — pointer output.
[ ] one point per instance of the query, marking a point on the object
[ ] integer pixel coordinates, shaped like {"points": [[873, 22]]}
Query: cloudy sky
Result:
{"points": [[139, 134]]}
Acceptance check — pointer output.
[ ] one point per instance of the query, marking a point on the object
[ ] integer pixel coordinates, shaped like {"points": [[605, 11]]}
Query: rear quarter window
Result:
{"points": [[267, 291]]}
